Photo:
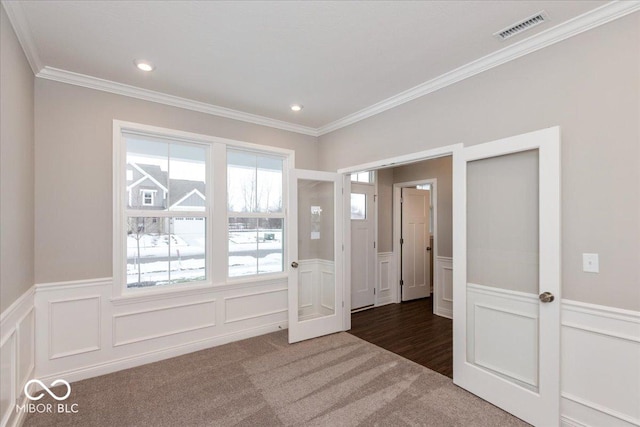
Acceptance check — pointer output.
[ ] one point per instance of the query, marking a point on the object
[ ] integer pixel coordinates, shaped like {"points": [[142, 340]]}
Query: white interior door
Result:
{"points": [[415, 248], [363, 251], [316, 219], [506, 269]]}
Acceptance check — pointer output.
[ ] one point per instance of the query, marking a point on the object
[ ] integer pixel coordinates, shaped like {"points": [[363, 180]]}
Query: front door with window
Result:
{"points": [[363, 251]]}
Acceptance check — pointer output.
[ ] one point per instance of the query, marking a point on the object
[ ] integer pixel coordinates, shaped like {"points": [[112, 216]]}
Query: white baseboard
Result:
{"points": [[17, 344], [82, 331], [158, 355]]}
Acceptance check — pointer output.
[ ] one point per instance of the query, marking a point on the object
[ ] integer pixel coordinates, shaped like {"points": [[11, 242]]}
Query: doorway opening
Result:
{"points": [[406, 312]]}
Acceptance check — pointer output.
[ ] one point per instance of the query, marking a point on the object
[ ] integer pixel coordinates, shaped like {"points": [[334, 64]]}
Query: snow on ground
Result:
{"points": [[174, 246]]}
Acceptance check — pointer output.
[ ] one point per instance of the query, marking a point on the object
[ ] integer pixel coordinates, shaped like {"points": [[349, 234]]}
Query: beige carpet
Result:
{"points": [[337, 380]]}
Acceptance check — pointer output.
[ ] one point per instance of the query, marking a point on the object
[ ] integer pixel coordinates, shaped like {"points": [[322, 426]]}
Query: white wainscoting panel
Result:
{"points": [[327, 285], [74, 326], [17, 359], [600, 365], [387, 286], [443, 289], [148, 324], [254, 305], [316, 283], [88, 332], [503, 337]]}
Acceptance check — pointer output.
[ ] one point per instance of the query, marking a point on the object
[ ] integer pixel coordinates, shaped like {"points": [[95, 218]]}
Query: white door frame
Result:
{"points": [[397, 226], [391, 162]]}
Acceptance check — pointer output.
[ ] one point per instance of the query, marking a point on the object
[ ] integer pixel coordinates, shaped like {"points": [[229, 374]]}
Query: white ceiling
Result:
{"points": [[335, 58]]}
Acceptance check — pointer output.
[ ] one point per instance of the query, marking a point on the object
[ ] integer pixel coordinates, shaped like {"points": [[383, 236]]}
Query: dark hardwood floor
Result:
{"points": [[411, 330]]}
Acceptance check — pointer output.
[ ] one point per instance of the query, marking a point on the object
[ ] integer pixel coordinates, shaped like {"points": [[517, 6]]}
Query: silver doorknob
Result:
{"points": [[294, 264], [546, 297]]}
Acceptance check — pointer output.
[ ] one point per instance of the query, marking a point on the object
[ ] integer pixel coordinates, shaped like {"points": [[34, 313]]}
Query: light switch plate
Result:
{"points": [[590, 263]]}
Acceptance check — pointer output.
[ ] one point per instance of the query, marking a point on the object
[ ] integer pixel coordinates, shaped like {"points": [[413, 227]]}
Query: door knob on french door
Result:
{"points": [[294, 264], [546, 297], [428, 248]]}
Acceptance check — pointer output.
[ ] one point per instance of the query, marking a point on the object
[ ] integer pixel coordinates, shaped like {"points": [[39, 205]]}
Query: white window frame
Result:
{"points": [[144, 194], [216, 213]]}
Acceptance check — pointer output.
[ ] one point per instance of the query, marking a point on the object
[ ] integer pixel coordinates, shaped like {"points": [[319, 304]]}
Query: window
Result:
{"points": [[167, 234], [364, 177], [255, 213], [358, 206], [147, 197], [163, 247]]}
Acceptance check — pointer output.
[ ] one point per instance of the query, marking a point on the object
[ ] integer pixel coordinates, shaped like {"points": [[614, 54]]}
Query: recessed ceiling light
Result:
{"points": [[296, 107], [144, 65]]}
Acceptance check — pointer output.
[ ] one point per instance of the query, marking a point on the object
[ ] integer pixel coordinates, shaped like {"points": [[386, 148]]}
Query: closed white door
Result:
{"points": [[506, 270], [316, 218], [416, 259], [363, 251]]}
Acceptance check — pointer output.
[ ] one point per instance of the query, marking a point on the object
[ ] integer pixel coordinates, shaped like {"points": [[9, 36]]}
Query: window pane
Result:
{"points": [[269, 178], [254, 182], [147, 166], [147, 252], [187, 177], [241, 181], [187, 243], [243, 246], [358, 206], [270, 245], [161, 251]]}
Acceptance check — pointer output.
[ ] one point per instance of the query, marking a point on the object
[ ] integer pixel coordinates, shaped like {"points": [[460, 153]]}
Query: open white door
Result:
{"points": [[316, 218], [416, 257], [507, 274]]}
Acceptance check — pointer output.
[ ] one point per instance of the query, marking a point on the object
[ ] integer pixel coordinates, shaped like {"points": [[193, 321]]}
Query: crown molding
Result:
{"points": [[21, 28], [587, 21], [96, 83]]}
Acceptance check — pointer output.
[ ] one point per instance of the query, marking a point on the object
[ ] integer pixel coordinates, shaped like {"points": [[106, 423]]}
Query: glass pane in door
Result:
{"points": [[503, 266], [316, 257]]}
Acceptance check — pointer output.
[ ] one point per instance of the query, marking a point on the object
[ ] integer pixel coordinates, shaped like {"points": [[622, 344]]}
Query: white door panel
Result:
{"points": [[507, 253], [415, 244]]}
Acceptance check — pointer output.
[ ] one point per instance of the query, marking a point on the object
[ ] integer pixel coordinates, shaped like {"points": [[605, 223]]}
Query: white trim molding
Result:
{"points": [[110, 334], [17, 350], [443, 287], [90, 82], [585, 22], [600, 372]]}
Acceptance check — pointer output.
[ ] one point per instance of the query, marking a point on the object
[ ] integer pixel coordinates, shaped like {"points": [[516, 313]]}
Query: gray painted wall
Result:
{"points": [[73, 185], [441, 169], [590, 86], [16, 167]]}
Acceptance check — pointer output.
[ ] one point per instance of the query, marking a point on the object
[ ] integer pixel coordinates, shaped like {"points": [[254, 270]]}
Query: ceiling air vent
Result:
{"points": [[523, 25]]}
